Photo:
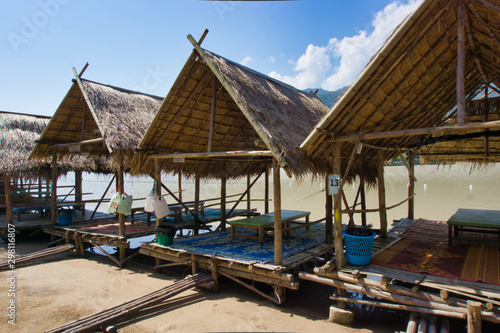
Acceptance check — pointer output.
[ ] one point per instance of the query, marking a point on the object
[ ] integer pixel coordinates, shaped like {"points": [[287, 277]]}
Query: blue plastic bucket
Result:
{"points": [[64, 216], [358, 249]]}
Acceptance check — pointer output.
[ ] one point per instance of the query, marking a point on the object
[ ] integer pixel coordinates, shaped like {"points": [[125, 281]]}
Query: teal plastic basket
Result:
{"points": [[358, 249]]}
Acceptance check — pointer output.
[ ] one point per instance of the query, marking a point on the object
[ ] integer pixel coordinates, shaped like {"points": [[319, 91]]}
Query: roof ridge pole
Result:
{"points": [[90, 106], [460, 64], [227, 86]]}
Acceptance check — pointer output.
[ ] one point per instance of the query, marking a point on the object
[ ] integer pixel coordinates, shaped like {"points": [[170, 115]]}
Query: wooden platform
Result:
{"points": [[399, 289], [36, 220]]}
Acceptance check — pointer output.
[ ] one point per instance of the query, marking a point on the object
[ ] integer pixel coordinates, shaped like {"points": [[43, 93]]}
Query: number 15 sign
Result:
{"points": [[333, 184]]}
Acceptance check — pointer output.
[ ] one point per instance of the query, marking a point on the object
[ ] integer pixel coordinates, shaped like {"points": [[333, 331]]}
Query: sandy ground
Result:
{"points": [[63, 288]]}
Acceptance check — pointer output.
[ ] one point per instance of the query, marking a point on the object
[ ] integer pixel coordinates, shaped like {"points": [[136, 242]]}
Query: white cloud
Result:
{"points": [[271, 60], [246, 61], [315, 67]]}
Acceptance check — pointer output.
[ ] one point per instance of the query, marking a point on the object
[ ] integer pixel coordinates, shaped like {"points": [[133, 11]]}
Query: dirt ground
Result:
{"points": [[62, 288]]}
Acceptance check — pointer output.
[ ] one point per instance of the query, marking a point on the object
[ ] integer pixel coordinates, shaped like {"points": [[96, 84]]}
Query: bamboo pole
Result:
{"points": [[223, 189], [474, 317], [196, 199], [266, 189], [248, 194], [252, 288], [411, 185], [102, 197], [412, 323], [411, 327], [157, 178], [460, 65], [121, 217], [363, 202], [212, 114], [337, 208], [381, 196], [278, 235], [235, 153], [328, 215], [53, 201], [8, 199]]}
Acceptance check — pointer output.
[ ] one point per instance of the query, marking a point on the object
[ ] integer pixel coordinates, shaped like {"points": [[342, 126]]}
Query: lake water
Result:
{"points": [[440, 191]]}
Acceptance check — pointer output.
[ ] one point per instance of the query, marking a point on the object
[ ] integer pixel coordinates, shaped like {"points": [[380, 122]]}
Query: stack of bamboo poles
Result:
{"points": [[36, 255], [118, 313], [413, 292]]}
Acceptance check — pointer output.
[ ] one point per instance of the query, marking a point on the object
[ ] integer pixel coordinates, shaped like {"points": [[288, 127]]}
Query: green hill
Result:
{"points": [[327, 97]]}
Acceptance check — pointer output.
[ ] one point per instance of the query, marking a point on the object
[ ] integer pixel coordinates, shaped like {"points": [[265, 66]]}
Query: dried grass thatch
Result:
{"points": [[411, 82], [117, 116], [252, 113]]}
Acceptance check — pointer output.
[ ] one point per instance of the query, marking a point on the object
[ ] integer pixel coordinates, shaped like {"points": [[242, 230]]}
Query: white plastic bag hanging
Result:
{"points": [[148, 207], [113, 203], [125, 204], [160, 207]]}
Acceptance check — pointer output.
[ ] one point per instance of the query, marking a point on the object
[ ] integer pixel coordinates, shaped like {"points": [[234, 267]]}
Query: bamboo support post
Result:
{"points": [[223, 185], [412, 323], [337, 208], [53, 202], [121, 217], [106, 253], [411, 185], [215, 275], [8, 199], [474, 317], [460, 64], [363, 202], [266, 189], [252, 288], [381, 196], [278, 235]]}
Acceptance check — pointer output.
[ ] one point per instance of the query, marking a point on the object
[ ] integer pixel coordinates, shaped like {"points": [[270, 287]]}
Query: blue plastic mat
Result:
{"points": [[220, 244]]}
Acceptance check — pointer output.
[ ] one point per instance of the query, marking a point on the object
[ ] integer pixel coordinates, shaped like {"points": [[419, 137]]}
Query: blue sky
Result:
{"points": [[142, 45]]}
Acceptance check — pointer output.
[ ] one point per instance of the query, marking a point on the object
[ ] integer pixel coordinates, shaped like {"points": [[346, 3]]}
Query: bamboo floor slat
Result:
{"points": [[117, 314], [22, 259]]}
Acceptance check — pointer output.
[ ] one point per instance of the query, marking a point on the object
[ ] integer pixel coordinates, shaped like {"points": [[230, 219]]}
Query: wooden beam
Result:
{"points": [[474, 317], [460, 64], [236, 153], [328, 215], [444, 130], [266, 189], [278, 234], [490, 4], [202, 38]]}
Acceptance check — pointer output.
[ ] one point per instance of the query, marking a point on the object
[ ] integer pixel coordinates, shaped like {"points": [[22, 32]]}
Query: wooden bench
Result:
{"points": [[473, 220], [261, 222]]}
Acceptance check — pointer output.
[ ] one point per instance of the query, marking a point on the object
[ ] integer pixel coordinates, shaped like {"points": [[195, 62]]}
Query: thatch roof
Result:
{"points": [[109, 124], [253, 113], [411, 82], [18, 133]]}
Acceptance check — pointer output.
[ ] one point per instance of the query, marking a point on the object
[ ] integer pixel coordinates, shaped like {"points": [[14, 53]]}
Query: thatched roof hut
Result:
{"points": [[97, 121], [18, 133], [410, 86], [221, 119]]}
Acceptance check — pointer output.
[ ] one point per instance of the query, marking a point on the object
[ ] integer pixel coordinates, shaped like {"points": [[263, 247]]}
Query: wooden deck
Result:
{"points": [[400, 289]]}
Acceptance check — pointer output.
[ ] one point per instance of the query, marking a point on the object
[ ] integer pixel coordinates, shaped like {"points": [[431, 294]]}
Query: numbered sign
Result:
{"points": [[333, 184]]}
